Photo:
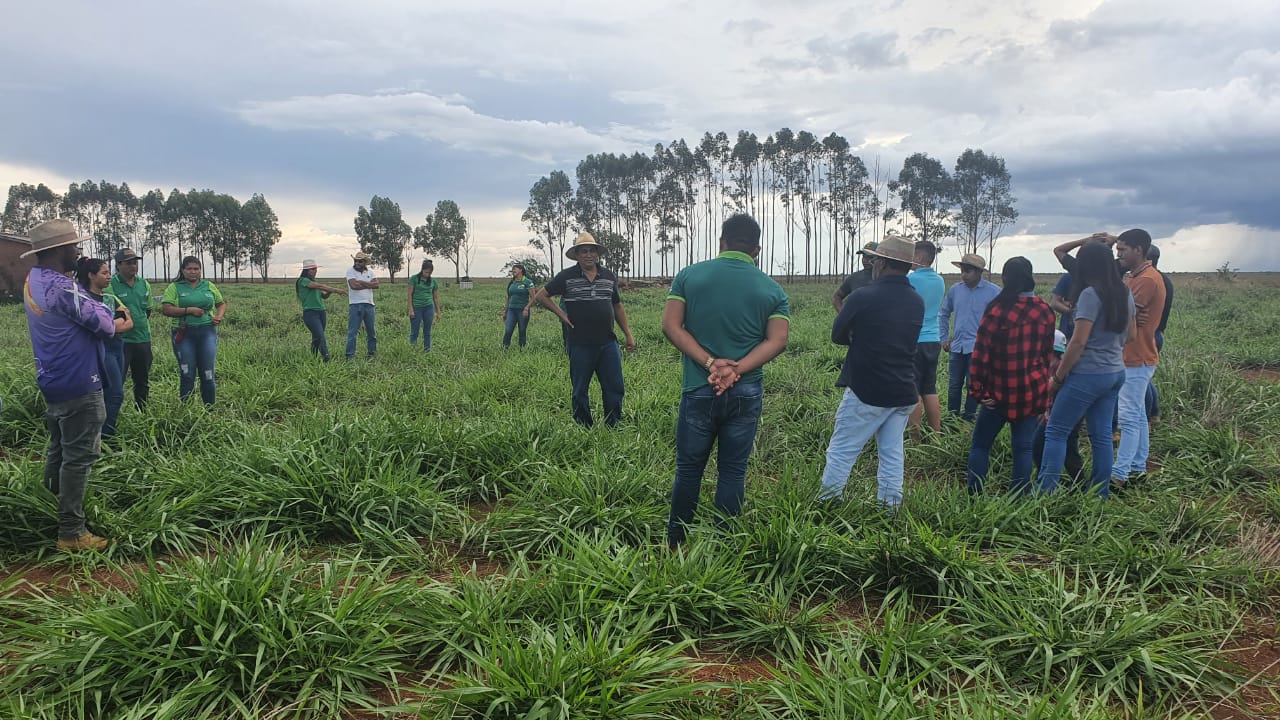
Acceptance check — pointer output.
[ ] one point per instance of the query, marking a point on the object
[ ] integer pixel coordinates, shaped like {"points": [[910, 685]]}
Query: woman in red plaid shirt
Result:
{"points": [[1009, 374]]}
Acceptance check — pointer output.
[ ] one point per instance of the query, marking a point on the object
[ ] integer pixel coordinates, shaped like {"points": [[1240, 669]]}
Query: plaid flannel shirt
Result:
{"points": [[1011, 357]]}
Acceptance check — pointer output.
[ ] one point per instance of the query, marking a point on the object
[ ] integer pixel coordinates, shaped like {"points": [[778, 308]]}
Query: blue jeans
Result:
{"points": [[515, 316], [197, 351], [423, 316], [1153, 398], [1131, 456], [856, 423], [315, 321], [729, 422], [957, 378], [1093, 398], [605, 362], [358, 313], [112, 384], [75, 441], [1022, 434]]}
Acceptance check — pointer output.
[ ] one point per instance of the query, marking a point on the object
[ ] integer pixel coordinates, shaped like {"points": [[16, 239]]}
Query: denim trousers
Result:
{"points": [[196, 352], [112, 384], [315, 320], [1131, 456], [1073, 463], [603, 360], [137, 362], [727, 421], [514, 317], [986, 428], [423, 317], [957, 379], [358, 313], [1153, 398], [856, 423], [75, 441], [1093, 398]]}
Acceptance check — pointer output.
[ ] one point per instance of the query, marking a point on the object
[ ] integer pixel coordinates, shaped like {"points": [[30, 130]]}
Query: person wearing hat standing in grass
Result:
{"points": [[1140, 353], [134, 292], [424, 304], [67, 330], [881, 325], [312, 295], [728, 319], [931, 287], [361, 282], [856, 280], [591, 307], [966, 300]]}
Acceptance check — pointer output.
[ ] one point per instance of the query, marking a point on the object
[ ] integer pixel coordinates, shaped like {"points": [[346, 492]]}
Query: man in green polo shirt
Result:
{"points": [[728, 319], [134, 292]]}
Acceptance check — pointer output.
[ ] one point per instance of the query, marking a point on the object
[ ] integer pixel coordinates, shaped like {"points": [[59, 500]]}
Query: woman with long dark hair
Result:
{"points": [[424, 304], [199, 307], [1009, 374], [1092, 370], [312, 295], [519, 299], [94, 275]]}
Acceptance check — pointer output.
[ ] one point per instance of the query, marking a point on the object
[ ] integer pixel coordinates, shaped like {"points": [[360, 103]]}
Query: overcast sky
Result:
{"points": [[1163, 114]]}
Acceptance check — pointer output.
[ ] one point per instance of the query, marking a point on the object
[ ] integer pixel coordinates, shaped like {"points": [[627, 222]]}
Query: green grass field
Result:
{"points": [[430, 535]]}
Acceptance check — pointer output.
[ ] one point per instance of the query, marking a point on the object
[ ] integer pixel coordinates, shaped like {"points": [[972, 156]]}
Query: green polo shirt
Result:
{"points": [[311, 298], [204, 295], [138, 299], [422, 290], [518, 293], [728, 303]]}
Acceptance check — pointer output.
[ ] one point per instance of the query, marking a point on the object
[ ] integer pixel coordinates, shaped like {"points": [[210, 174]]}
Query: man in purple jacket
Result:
{"points": [[67, 329]]}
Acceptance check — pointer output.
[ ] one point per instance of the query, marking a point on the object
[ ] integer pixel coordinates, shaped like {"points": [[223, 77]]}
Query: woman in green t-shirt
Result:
{"points": [[312, 296], [424, 304], [519, 298], [199, 307]]}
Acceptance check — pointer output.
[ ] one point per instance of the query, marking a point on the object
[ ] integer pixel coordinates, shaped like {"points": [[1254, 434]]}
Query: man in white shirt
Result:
{"points": [[362, 282]]}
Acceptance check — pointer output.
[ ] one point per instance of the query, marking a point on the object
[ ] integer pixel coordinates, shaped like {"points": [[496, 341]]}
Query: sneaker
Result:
{"points": [[86, 541]]}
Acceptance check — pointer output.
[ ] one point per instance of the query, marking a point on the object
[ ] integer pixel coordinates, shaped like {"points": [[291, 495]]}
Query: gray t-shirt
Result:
{"points": [[1104, 352]]}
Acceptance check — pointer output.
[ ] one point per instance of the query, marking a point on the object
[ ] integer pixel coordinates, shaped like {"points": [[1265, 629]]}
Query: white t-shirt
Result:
{"points": [[359, 296]]}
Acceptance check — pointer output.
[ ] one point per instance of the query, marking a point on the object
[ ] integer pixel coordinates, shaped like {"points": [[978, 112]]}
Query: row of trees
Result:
{"points": [[224, 233], [815, 200], [386, 236]]}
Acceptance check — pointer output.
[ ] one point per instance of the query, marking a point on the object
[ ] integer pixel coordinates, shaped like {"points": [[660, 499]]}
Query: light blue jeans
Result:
{"points": [[856, 423], [360, 314], [1131, 456]]}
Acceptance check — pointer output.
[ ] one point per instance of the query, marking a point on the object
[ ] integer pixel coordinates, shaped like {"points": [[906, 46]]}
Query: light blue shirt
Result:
{"points": [[967, 304], [930, 286]]}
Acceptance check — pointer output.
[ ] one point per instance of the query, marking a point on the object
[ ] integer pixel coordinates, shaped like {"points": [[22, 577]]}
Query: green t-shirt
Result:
{"points": [[204, 295], [138, 300], [422, 290], [728, 303], [312, 299], [518, 292]]}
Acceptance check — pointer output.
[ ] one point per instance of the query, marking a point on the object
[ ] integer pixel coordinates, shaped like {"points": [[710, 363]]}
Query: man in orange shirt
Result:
{"points": [[1140, 353]]}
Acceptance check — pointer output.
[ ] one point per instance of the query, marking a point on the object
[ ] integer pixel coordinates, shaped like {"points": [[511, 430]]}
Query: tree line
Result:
{"points": [[383, 233], [816, 201], [224, 233]]}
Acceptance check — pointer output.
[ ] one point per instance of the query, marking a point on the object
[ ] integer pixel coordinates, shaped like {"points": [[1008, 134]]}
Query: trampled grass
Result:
{"points": [[431, 535]]}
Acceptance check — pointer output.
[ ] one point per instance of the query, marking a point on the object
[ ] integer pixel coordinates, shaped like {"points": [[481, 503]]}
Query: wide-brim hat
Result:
{"points": [[584, 239], [51, 234], [125, 255], [894, 247], [362, 256], [971, 260], [310, 265], [868, 247]]}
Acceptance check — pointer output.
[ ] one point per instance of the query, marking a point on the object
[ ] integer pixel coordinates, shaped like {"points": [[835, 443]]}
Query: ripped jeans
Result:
{"points": [[196, 352]]}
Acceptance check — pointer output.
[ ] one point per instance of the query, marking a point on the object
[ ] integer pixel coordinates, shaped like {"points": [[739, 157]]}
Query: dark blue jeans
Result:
{"points": [[112, 384], [197, 352], [315, 321], [514, 317], [1093, 398], [605, 362], [75, 441], [1074, 464], [1153, 399], [423, 316], [1022, 434], [729, 422], [957, 378], [137, 360], [357, 314]]}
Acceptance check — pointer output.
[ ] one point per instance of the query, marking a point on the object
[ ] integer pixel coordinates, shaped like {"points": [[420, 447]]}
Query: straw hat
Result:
{"points": [[51, 234], [584, 239], [362, 255], [971, 260], [310, 265], [894, 247]]}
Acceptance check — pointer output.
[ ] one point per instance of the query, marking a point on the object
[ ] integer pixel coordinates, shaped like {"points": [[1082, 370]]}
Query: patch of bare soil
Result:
{"points": [[730, 668], [53, 579], [1269, 375], [1257, 651]]}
